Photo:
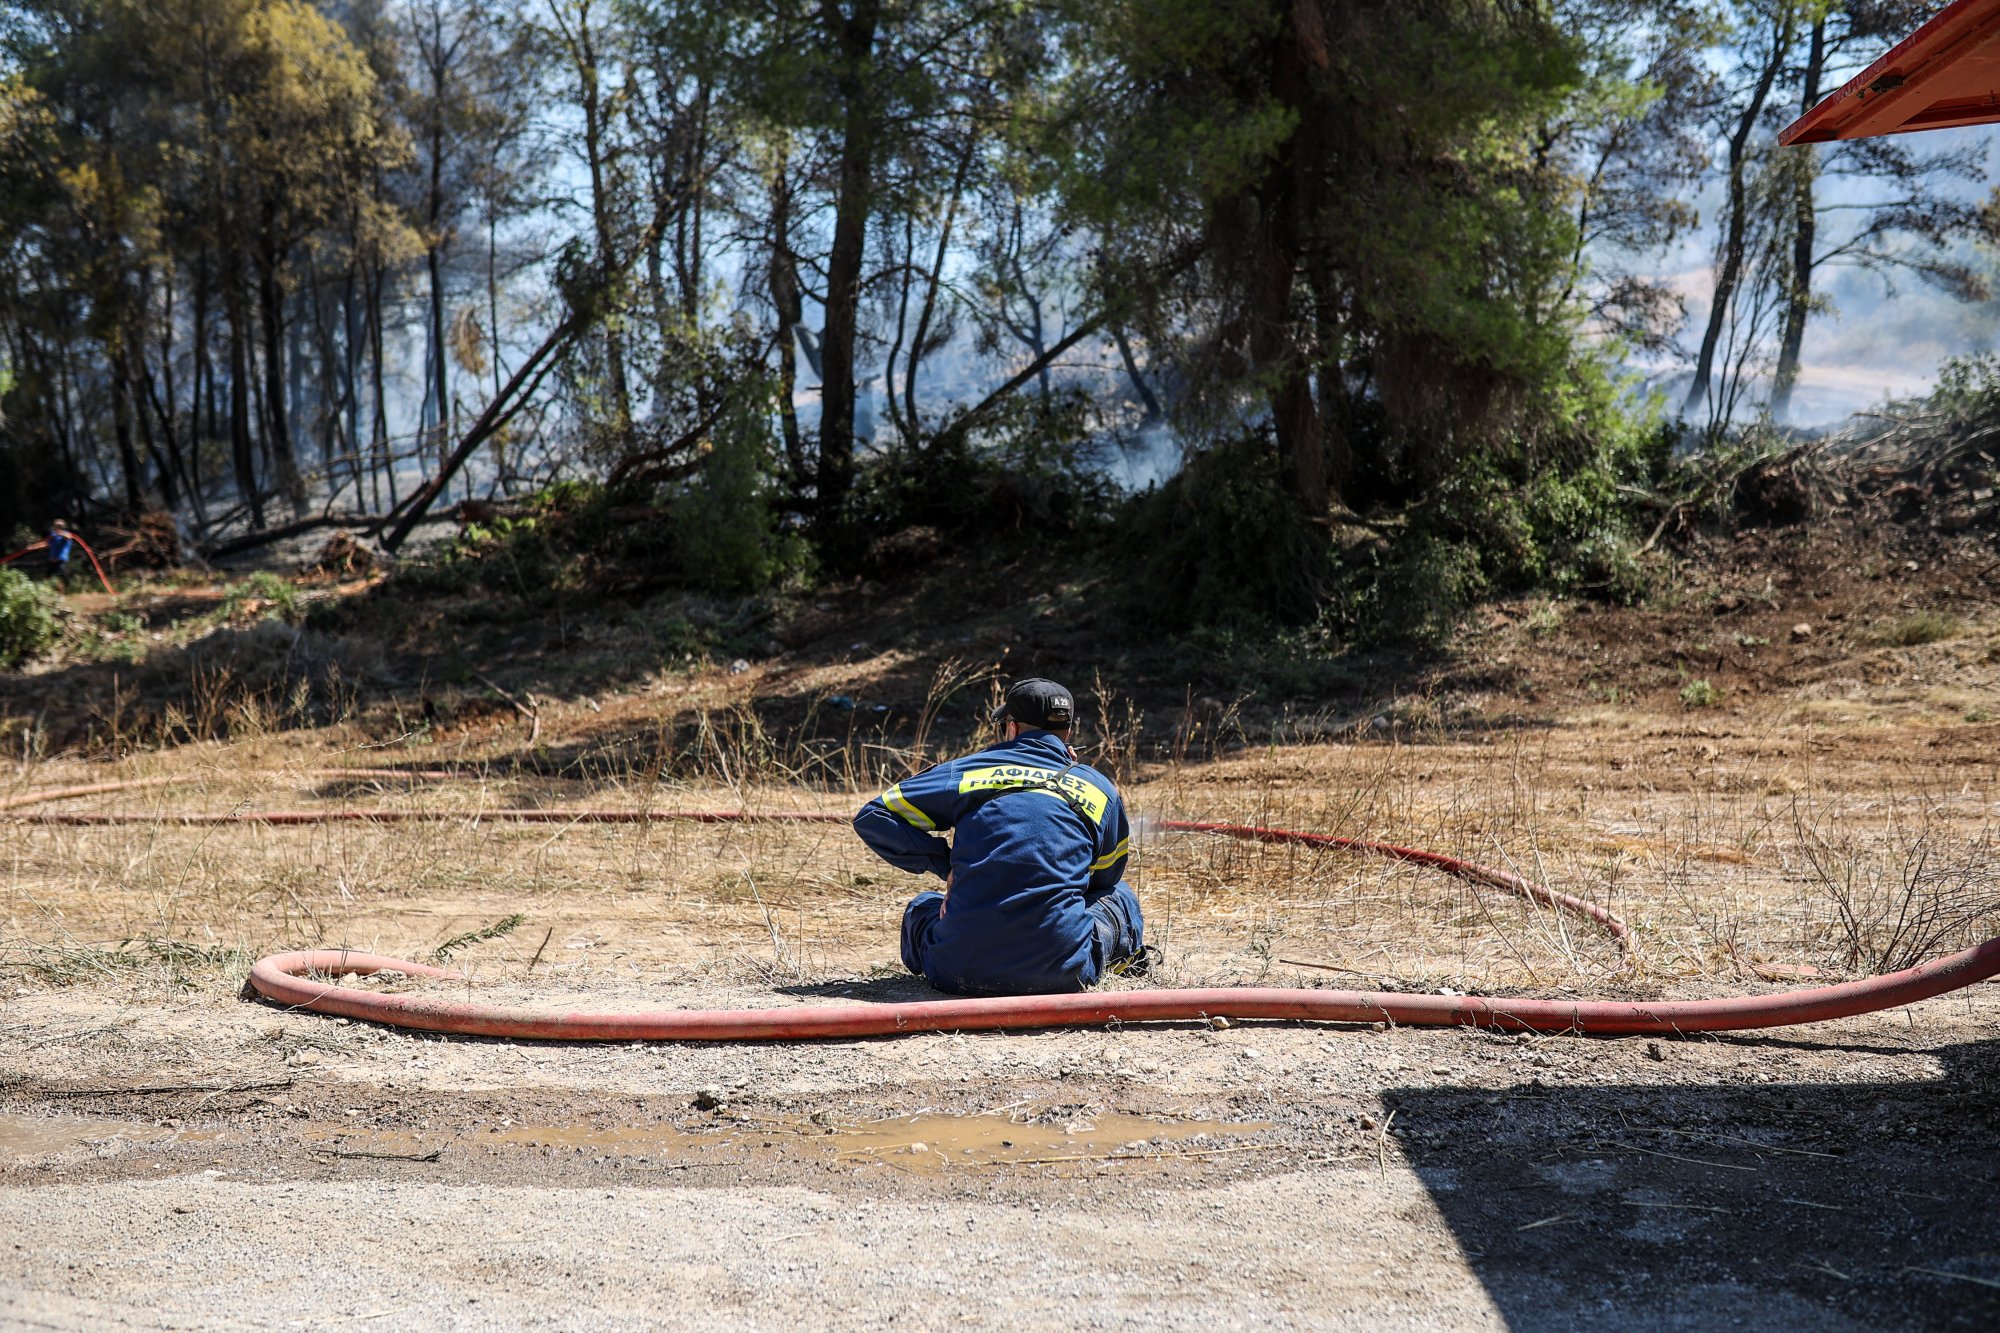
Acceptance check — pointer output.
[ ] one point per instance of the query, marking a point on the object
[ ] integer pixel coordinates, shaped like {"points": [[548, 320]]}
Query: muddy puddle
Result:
{"points": [[944, 1141], [26, 1138], [927, 1142]]}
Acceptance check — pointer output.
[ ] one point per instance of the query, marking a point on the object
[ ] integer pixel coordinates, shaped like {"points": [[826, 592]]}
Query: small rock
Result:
{"points": [[1653, 1051], [1218, 1022], [1379, 722], [1911, 566], [1729, 601], [1251, 1053], [1801, 632], [708, 1099], [1367, 1121], [738, 667]]}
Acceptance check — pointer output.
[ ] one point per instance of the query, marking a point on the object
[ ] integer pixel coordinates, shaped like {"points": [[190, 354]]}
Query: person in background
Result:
{"points": [[61, 546], [1034, 901]]}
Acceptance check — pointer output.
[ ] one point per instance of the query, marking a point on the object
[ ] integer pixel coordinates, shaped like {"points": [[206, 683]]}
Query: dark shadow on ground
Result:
{"points": [[870, 990], [1775, 1205], [842, 669]]}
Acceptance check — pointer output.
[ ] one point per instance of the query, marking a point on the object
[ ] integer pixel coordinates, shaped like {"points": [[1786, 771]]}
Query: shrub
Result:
{"points": [[1223, 545], [1027, 472], [1921, 628], [1699, 694], [722, 524], [1549, 510], [27, 618], [264, 595]]}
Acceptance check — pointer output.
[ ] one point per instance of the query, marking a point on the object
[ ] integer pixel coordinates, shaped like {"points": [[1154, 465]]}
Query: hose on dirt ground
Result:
{"points": [[298, 979], [294, 980]]}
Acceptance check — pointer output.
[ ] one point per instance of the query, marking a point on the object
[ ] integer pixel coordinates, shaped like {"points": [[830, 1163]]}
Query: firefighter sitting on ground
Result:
{"points": [[1033, 900]]}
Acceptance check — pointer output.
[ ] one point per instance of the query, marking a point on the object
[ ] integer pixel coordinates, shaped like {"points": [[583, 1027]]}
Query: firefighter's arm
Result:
{"points": [[1114, 847], [901, 825]]}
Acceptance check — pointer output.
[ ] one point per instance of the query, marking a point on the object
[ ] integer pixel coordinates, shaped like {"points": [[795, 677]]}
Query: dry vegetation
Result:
{"points": [[1726, 849]]}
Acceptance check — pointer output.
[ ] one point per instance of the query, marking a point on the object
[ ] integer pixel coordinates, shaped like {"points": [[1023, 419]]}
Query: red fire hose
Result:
{"points": [[42, 545], [284, 978], [293, 979]]}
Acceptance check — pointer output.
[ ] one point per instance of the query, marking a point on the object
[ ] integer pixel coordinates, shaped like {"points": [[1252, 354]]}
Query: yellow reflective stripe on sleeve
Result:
{"points": [[894, 799], [1027, 777], [1110, 858]]}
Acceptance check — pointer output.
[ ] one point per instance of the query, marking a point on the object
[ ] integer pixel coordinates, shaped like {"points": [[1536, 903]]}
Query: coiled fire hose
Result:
{"points": [[295, 979]]}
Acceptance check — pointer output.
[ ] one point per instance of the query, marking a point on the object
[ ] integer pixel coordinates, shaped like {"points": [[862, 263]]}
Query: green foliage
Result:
{"points": [[1025, 473], [1263, 664], [678, 638], [265, 595], [1412, 589], [1699, 694], [1917, 629], [1968, 390], [1551, 514], [723, 523], [28, 622], [715, 531], [1221, 545], [533, 552], [1224, 547]]}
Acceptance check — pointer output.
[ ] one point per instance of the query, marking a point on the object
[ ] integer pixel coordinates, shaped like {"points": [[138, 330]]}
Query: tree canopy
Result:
{"points": [[271, 262]]}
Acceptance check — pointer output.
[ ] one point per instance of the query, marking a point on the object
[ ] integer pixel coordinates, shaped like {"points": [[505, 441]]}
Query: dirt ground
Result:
{"points": [[174, 1155]]}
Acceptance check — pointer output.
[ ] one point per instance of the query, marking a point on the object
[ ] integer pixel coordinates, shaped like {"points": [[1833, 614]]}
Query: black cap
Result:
{"points": [[1035, 702]]}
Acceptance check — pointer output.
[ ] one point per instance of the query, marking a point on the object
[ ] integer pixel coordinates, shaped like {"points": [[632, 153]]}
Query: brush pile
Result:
{"points": [[152, 541]]}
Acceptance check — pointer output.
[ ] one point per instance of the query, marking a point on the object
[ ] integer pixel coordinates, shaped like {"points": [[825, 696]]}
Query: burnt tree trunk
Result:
{"points": [[783, 280], [1277, 334], [853, 36], [278, 436], [1805, 219], [121, 426]]}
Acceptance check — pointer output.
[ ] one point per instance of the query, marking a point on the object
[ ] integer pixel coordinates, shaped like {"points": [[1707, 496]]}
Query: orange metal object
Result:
{"points": [[1945, 73]]}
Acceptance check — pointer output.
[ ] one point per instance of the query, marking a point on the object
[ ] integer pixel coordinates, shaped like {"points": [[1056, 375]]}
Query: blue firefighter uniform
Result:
{"points": [[61, 543], [1036, 902]]}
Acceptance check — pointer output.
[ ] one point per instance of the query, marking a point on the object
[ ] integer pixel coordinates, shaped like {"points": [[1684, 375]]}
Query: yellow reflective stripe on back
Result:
{"points": [[1026, 777], [1110, 858], [895, 800]]}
